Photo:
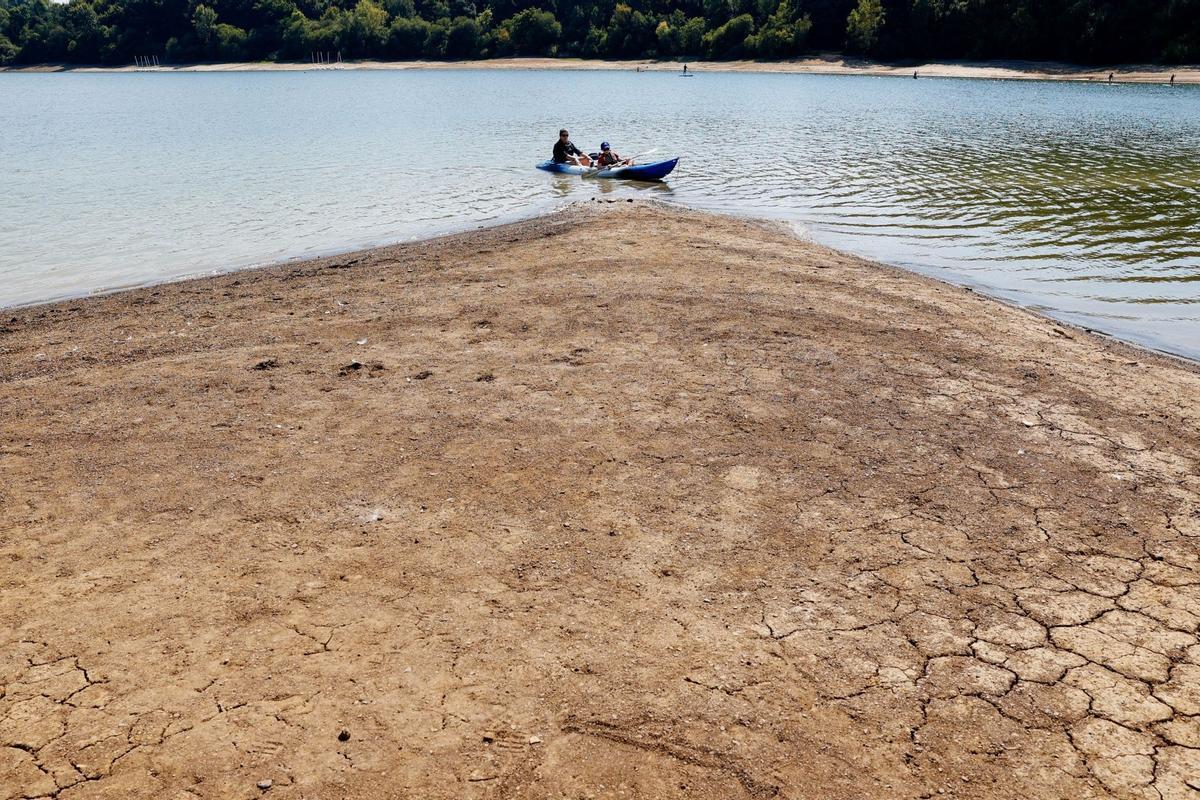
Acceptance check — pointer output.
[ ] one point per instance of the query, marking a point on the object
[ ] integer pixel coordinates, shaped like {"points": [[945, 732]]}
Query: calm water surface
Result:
{"points": [[1080, 200]]}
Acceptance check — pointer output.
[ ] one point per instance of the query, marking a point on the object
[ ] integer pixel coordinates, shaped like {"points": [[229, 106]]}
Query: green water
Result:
{"points": [[1080, 200]]}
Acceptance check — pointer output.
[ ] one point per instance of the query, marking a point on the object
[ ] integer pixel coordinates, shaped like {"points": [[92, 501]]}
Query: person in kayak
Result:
{"points": [[565, 151], [608, 156]]}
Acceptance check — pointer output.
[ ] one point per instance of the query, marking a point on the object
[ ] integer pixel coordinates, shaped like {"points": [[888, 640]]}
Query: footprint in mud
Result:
{"points": [[510, 740], [263, 749]]}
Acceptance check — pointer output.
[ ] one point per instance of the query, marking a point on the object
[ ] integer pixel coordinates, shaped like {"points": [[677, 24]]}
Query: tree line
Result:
{"points": [[183, 31]]}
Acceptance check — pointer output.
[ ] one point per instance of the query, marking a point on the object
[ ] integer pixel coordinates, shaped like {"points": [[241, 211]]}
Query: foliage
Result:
{"points": [[864, 25], [783, 35], [532, 32], [728, 41], [115, 31]]}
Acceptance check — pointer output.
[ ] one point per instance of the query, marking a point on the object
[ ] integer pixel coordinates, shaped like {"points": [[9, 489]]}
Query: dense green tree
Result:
{"points": [[782, 35], [363, 31], [729, 40], [864, 25], [692, 37], [406, 37], [204, 22], [115, 31], [230, 43], [532, 32], [595, 43], [630, 33], [87, 37], [437, 39], [266, 23], [400, 8], [466, 38]]}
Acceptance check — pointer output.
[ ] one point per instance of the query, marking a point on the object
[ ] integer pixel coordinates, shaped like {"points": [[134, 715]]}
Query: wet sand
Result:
{"points": [[824, 65], [685, 509]]}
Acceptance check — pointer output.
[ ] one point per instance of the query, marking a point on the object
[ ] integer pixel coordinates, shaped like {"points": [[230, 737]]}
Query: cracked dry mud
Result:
{"points": [[688, 509]]}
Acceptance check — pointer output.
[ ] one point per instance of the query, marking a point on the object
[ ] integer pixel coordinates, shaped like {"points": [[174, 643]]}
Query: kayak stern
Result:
{"points": [[654, 171]]}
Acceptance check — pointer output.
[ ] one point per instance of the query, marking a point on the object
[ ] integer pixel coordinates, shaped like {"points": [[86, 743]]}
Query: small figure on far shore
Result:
{"points": [[685, 69], [914, 74], [1172, 81], [1110, 76]]}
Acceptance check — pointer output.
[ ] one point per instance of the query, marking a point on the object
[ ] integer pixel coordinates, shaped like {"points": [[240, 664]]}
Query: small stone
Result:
{"points": [[344, 735], [264, 784], [535, 740]]}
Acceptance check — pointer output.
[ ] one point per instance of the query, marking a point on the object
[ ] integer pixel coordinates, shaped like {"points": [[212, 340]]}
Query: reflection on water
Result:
{"points": [[569, 185], [1080, 200]]}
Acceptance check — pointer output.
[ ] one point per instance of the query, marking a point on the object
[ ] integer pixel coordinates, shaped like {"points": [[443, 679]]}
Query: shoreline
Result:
{"points": [[530, 216], [823, 65], [710, 513]]}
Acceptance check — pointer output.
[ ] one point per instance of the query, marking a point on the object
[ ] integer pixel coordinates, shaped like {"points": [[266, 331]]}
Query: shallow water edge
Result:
{"points": [[522, 222]]}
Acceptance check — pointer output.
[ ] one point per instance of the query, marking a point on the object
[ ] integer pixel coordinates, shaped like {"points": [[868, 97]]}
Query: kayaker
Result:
{"points": [[565, 151], [608, 156]]}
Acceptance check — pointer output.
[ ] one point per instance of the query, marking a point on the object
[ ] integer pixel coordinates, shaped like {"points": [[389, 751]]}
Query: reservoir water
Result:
{"points": [[1079, 200]]}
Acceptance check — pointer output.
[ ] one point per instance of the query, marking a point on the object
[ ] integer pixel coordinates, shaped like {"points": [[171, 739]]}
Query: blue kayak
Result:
{"points": [[638, 172]]}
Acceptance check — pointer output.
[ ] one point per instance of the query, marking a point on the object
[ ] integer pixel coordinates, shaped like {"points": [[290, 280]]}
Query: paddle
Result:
{"points": [[622, 163]]}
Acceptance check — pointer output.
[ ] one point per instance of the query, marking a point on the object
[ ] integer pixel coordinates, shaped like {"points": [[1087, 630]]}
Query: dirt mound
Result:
{"points": [[700, 511]]}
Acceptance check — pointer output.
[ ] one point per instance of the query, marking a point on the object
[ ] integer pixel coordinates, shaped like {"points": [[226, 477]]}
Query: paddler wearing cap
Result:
{"points": [[609, 157]]}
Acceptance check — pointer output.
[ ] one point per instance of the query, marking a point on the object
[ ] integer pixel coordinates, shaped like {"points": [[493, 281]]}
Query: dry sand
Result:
{"points": [[821, 65], [688, 509]]}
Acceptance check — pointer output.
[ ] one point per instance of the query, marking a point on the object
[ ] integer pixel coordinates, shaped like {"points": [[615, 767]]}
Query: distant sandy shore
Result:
{"points": [[690, 511], [825, 65]]}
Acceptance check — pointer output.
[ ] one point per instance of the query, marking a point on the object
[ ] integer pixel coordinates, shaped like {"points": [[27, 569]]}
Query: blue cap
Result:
{"points": [[604, 145]]}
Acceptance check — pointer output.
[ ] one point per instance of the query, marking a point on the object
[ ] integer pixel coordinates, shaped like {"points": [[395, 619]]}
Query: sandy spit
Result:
{"points": [[618, 502], [824, 65]]}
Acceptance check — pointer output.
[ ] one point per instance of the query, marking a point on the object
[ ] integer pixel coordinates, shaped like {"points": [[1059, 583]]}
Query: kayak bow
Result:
{"points": [[655, 171]]}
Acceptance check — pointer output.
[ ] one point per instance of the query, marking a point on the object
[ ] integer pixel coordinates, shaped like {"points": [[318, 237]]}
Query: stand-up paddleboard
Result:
{"points": [[655, 171]]}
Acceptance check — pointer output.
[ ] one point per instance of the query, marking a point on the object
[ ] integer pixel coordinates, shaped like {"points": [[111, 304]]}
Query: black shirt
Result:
{"points": [[563, 149]]}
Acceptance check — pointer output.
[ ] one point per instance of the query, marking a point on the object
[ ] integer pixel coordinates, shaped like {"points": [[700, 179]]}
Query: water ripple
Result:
{"points": [[1082, 202]]}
